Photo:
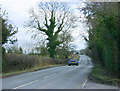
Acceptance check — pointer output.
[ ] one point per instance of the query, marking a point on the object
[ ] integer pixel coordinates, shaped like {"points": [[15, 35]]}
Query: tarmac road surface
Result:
{"points": [[62, 77]]}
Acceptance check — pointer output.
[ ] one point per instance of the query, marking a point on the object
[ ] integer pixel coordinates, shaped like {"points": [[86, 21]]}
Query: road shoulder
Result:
{"points": [[99, 78], [93, 85]]}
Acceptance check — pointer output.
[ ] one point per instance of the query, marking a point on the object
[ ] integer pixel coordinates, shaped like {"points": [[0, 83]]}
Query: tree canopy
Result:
{"points": [[102, 20], [8, 30], [52, 19]]}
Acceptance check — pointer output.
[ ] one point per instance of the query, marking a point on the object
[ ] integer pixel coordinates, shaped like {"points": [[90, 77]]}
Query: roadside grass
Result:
{"points": [[0, 75], [100, 75], [27, 70]]}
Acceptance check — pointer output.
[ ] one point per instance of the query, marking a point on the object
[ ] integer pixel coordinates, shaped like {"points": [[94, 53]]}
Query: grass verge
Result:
{"points": [[100, 75], [27, 70], [0, 75]]}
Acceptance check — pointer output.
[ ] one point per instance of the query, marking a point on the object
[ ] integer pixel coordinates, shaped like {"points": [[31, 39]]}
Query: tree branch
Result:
{"points": [[39, 28], [60, 26], [46, 23]]}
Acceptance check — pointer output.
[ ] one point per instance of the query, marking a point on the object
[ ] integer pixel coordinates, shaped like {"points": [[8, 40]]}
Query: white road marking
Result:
{"points": [[84, 83], [33, 81], [81, 60], [49, 75], [26, 84], [48, 69]]}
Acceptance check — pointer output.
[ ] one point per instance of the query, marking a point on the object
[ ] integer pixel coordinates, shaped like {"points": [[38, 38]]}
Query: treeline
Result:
{"points": [[103, 42], [16, 59]]}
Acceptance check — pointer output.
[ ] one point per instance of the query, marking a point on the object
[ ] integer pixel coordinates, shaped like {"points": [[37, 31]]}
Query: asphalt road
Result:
{"points": [[62, 77]]}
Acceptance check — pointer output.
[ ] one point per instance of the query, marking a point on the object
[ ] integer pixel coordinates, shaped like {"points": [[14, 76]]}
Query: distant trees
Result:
{"points": [[102, 20], [42, 50], [64, 49], [15, 49], [52, 19]]}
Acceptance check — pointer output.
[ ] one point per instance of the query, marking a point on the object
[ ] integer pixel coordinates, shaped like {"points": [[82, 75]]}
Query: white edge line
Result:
{"points": [[84, 83]]}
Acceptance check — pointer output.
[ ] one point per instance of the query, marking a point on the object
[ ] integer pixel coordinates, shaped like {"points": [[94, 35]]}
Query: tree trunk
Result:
{"points": [[51, 52]]}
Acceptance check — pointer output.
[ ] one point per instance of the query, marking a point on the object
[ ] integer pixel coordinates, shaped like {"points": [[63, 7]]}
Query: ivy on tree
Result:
{"points": [[51, 19]]}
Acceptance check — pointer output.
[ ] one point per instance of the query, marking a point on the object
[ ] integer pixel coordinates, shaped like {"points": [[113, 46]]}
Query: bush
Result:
{"points": [[57, 61], [14, 62]]}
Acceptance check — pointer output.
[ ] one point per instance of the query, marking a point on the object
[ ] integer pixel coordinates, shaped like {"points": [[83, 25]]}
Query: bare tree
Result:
{"points": [[51, 19]]}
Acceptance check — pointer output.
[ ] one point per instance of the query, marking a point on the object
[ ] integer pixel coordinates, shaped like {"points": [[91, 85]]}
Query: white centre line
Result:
{"points": [[33, 81], [26, 84], [49, 75]]}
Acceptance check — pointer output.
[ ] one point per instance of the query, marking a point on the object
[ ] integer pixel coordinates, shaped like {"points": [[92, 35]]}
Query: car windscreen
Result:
{"points": [[72, 60]]}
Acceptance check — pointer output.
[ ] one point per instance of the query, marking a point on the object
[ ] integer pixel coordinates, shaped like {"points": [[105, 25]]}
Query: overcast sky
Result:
{"points": [[18, 14]]}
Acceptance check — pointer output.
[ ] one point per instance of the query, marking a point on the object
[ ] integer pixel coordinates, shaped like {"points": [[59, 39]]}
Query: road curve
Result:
{"points": [[62, 77]]}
